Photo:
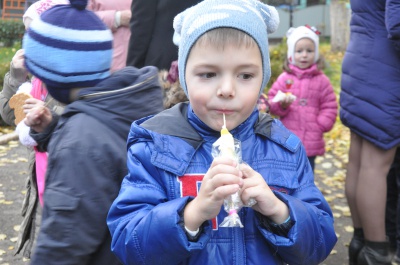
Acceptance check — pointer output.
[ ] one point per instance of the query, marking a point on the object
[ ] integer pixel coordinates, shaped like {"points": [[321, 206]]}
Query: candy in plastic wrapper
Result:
{"points": [[281, 96], [227, 146]]}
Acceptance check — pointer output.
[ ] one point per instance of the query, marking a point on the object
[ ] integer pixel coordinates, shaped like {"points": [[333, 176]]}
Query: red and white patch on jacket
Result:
{"points": [[190, 186]]}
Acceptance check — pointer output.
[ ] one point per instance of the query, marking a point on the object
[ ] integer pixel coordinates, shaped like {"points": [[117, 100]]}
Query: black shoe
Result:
{"points": [[356, 244], [374, 253]]}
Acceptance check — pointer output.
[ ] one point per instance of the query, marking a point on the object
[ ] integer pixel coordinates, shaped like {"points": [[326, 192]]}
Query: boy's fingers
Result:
{"points": [[247, 170]]}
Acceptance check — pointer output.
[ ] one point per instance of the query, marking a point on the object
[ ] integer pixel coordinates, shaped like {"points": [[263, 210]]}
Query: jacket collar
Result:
{"points": [[305, 73], [174, 122]]}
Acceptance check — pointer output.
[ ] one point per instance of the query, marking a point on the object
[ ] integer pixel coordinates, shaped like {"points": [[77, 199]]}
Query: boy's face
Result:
{"points": [[224, 80], [304, 53]]}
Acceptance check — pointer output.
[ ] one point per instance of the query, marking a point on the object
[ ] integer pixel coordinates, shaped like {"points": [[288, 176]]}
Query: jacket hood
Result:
{"points": [[127, 95]]}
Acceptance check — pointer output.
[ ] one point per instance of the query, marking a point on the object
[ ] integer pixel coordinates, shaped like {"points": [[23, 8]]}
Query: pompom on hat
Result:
{"points": [[295, 34], [250, 16], [68, 47]]}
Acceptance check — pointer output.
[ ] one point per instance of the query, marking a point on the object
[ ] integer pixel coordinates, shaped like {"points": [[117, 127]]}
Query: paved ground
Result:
{"points": [[13, 170]]}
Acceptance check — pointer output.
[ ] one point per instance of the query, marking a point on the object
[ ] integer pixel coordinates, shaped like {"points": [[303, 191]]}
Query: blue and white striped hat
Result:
{"points": [[250, 16], [68, 47]]}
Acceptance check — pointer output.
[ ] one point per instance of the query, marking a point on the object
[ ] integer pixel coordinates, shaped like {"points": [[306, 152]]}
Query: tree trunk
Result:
{"points": [[340, 25]]}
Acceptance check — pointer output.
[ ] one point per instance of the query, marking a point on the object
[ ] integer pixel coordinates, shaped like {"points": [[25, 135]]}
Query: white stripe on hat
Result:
{"points": [[51, 31]]}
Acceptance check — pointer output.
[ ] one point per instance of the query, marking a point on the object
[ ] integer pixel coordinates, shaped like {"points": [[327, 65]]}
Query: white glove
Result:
{"points": [[23, 134]]}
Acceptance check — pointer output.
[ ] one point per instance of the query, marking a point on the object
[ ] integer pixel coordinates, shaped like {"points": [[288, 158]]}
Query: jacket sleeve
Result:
{"points": [[392, 20], [12, 80], [328, 106], [150, 218], [80, 187], [275, 107], [42, 139], [312, 236], [141, 25]]}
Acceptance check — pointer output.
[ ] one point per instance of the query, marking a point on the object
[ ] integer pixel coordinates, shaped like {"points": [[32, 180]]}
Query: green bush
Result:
{"points": [[6, 54], [277, 55], [11, 31]]}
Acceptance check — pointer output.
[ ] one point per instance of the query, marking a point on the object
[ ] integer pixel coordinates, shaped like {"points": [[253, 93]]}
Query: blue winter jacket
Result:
{"points": [[168, 156], [370, 96]]}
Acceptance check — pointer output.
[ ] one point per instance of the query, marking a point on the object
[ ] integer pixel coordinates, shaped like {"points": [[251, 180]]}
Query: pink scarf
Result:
{"points": [[40, 92]]}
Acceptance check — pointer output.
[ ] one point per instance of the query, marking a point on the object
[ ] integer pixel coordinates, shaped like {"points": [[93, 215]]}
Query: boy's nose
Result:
{"points": [[227, 87]]}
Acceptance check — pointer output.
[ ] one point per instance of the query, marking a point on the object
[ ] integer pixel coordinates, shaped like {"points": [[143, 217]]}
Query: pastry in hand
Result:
{"points": [[17, 102]]}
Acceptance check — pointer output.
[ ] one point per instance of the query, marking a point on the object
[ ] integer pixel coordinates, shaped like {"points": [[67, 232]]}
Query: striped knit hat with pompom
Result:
{"points": [[68, 47]]}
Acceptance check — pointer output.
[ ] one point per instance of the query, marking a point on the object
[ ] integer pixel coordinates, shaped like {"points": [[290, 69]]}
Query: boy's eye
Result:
{"points": [[208, 75], [245, 76]]}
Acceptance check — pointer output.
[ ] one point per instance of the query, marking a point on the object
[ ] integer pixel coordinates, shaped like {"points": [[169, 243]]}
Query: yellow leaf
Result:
{"points": [[325, 191], [3, 236], [17, 227], [327, 165], [22, 159], [337, 215], [342, 208], [349, 229]]}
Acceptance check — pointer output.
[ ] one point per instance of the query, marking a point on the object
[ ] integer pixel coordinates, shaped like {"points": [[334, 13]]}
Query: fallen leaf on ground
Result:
{"points": [[349, 229], [337, 215], [326, 165]]}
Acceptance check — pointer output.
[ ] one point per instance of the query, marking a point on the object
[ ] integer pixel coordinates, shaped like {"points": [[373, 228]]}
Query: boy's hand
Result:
{"points": [[38, 118], [221, 180], [268, 204], [31, 103]]}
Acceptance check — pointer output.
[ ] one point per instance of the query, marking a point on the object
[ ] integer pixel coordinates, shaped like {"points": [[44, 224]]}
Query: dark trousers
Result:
{"points": [[312, 162], [393, 204]]}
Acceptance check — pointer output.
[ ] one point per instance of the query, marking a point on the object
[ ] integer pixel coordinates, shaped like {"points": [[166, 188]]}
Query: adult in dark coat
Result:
{"points": [[151, 32], [370, 107]]}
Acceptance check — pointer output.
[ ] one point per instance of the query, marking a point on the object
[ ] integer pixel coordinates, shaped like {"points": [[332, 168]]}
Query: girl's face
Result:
{"points": [[223, 80], [304, 53]]}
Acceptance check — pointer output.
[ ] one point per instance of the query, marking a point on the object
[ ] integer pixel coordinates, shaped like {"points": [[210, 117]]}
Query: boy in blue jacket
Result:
{"points": [[170, 205]]}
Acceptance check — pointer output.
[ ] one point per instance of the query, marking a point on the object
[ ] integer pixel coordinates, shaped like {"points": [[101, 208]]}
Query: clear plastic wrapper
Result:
{"points": [[227, 146]]}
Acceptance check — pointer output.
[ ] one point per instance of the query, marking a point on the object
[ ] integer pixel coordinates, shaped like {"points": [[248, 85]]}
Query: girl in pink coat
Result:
{"points": [[303, 96]]}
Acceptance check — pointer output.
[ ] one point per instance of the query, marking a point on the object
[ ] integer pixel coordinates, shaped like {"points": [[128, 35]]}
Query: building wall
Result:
{"points": [[317, 16]]}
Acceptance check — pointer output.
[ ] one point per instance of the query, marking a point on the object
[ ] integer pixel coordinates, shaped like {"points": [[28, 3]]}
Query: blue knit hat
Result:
{"points": [[68, 47], [250, 16]]}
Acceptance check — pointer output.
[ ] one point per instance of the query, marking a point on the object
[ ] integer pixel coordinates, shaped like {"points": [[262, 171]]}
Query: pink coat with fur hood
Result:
{"points": [[313, 112]]}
